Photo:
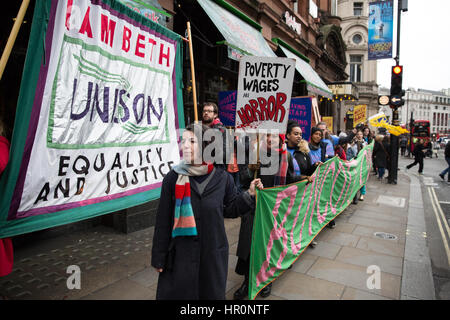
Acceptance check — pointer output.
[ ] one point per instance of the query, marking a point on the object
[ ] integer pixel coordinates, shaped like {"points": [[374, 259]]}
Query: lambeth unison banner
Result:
{"points": [[288, 218], [97, 116]]}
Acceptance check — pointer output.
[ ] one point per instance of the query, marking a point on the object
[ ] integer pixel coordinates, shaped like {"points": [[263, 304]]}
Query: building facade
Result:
{"points": [[362, 72]]}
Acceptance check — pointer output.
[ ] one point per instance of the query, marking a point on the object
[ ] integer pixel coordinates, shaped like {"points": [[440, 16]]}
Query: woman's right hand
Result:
{"points": [[159, 270]]}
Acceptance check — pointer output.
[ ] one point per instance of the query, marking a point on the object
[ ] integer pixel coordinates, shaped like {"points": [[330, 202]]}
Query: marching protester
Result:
{"points": [[447, 158], [418, 153], [352, 152], [299, 151], [367, 135], [381, 155], [341, 147], [190, 246], [285, 175], [210, 118], [6, 246], [327, 139], [318, 150]]}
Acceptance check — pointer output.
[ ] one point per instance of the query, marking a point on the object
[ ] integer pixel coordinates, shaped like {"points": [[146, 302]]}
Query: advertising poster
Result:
{"points": [[359, 114], [380, 27]]}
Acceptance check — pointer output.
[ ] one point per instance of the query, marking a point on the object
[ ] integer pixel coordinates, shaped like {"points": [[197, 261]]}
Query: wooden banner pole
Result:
{"points": [[257, 154], [13, 36], [191, 55]]}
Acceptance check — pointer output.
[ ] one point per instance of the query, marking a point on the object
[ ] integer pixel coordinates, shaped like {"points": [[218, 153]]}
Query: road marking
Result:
{"points": [[435, 206]]}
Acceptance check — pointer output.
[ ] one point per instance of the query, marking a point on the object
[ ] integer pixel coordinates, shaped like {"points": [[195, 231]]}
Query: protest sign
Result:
{"points": [[99, 112], [329, 122], [288, 218], [359, 114], [301, 110], [227, 107], [264, 92]]}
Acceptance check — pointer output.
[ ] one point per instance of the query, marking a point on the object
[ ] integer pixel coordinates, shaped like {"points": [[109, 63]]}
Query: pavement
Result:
{"points": [[377, 251]]}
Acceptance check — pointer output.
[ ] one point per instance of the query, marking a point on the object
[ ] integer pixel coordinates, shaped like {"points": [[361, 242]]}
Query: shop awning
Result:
{"points": [[242, 35], [313, 81]]}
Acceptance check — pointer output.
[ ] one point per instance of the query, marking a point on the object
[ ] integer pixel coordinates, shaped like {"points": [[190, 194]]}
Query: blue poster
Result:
{"points": [[380, 29], [300, 111], [227, 107]]}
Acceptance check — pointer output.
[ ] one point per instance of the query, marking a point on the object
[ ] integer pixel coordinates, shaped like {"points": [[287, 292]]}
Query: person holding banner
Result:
{"points": [[190, 246], [317, 147], [356, 146], [327, 139], [270, 143]]}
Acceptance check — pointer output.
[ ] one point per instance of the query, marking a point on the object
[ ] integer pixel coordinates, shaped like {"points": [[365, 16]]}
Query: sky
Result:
{"points": [[424, 46]]}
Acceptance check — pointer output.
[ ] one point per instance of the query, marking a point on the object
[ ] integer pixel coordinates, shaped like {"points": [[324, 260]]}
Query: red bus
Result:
{"points": [[421, 130]]}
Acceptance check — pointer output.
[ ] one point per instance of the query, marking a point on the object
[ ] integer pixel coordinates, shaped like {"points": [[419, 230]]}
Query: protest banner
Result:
{"points": [[329, 122], [288, 218], [359, 114], [99, 112], [264, 92], [227, 107], [300, 110], [379, 120]]}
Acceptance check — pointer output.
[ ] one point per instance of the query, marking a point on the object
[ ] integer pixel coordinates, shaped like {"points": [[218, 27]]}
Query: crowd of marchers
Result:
{"points": [[190, 247]]}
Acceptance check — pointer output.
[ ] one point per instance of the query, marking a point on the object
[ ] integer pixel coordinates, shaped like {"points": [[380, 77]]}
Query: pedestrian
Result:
{"points": [[6, 246], [353, 150], [419, 154], [381, 155], [285, 175], [403, 144], [447, 158], [367, 135], [435, 147], [190, 246]]}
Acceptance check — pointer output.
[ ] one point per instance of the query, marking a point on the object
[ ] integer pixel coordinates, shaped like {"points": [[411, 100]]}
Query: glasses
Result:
{"points": [[208, 111]]}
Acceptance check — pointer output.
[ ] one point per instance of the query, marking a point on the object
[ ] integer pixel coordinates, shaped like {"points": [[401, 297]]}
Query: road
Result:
{"points": [[436, 198]]}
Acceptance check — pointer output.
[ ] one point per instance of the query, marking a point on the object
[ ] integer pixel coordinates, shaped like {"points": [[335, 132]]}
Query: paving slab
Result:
{"points": [[324, 249], [380, 215], [364, 258], [355, 294], [355, 277], [341, 238], [304, 262], [124, 289], [298, 286], [381, 246], [146, 277]]}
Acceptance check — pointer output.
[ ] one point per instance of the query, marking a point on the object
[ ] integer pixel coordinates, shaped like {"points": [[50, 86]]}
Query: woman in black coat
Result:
{"points": [[271, 143], [381, 155], [190, 246]]}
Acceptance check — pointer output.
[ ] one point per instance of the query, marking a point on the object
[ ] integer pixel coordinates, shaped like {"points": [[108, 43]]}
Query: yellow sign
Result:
{"points": [[329, 122], [359, 114]]}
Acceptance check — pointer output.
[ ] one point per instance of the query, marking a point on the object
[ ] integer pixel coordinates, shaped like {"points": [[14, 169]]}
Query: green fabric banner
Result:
{"points": [[288, 218]]}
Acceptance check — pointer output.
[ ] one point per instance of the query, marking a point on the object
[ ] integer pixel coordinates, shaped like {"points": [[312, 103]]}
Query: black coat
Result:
{"points": [[447, 150], [304, 162], [380, 156], [196, 267], [418, 151]]}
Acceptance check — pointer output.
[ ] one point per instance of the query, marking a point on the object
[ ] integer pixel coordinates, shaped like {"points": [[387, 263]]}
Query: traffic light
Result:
{"points": [[397, 93]]}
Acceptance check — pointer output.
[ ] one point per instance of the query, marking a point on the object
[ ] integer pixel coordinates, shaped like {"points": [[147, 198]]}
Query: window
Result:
{"points": [[357, 39], [357, 8], [355, 68]]}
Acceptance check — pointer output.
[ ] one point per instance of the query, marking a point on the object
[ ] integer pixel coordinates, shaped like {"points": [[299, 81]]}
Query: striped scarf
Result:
{"points": [[184, 220]]}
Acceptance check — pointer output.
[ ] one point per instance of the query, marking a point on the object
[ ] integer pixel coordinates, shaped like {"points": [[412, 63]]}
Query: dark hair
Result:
{"points": [[291, 125], [314, 130], [212, 104]]}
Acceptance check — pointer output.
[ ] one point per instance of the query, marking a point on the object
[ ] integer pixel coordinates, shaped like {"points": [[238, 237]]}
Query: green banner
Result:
{"points": [[288, 218]]}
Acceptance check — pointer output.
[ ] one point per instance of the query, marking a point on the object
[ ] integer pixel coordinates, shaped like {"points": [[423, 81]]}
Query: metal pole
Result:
{"points": [[392, 178]]}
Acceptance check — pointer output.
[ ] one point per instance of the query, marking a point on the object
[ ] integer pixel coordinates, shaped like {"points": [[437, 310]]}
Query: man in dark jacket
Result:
{"points": [[447, 158], [210, 118], [419, 154]]}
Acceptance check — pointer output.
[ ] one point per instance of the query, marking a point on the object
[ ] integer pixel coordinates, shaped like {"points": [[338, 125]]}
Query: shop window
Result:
{"points": [[356, 68], [357, 8]]}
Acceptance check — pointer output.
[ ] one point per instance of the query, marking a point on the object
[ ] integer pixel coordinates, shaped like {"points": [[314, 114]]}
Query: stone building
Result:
{"points": [[362, 72]]}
